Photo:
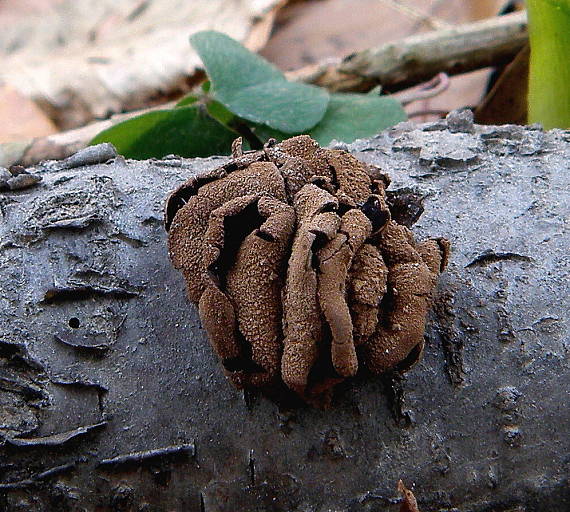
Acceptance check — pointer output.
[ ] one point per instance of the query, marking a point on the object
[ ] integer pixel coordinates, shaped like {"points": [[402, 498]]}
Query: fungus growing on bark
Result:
{"points": [[299, 273]]}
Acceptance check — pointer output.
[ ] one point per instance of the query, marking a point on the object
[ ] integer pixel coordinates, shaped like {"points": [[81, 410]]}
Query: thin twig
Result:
{"points": [[425, 91], [404, 63]]}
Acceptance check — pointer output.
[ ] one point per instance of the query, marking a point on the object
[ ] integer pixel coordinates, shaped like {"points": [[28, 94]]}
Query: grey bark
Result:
{"points": [[113, 400]]}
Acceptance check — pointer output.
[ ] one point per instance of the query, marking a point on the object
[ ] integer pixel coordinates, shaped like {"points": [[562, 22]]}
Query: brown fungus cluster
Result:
{"points": [[298, 270]]}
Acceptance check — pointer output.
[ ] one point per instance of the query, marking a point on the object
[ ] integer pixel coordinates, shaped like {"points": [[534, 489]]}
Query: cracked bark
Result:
{"points": [[113, 400]]}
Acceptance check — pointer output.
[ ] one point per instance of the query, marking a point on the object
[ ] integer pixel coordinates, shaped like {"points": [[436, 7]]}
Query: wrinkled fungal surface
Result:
{"points": [[299, 272]]}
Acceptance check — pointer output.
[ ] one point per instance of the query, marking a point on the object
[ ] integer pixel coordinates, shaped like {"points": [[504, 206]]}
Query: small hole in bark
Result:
{"points": [[74, 323]]}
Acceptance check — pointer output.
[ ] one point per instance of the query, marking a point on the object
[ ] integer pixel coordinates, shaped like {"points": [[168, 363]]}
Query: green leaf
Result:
{"points": [[187, 100], [354, 116], [549, 74], [285, 106], [229, 64], [255, 90], [186, 131], [219, 112]]}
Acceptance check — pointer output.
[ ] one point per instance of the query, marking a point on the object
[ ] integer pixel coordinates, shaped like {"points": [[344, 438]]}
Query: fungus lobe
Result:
{"points": [[299, 272]]}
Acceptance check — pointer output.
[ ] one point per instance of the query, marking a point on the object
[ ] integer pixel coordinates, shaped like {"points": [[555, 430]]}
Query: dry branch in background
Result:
{"points": [[409, 61]]}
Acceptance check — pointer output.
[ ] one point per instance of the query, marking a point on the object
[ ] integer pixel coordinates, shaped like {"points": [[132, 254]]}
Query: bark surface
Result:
{"points": [[112, 399]]}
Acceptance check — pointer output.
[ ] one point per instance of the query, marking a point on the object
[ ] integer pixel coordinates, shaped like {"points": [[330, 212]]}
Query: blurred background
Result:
{"points": [[68, 63]]}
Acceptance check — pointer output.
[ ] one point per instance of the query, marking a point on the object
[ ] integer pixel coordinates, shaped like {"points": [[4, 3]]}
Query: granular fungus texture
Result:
{"points": [[300, 275]]}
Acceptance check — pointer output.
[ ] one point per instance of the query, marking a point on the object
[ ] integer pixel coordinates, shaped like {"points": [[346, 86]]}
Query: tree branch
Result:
{"points": [[404, 63]]}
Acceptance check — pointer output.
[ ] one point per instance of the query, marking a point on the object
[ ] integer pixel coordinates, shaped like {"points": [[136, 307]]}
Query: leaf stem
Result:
{"points": [[549, 78]]}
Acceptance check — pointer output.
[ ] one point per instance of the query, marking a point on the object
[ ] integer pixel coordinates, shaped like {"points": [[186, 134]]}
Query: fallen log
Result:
{"points": [[112, 398]]}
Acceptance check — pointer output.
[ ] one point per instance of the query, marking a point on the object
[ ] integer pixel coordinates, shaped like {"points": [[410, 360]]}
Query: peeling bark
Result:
{"points": [[103, 359]]}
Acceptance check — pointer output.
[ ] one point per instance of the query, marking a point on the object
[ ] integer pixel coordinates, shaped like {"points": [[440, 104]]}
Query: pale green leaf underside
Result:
{"points": [[355, 116]]}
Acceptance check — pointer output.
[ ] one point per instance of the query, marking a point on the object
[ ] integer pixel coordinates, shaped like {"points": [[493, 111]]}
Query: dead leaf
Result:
{"points": [[507, 100], [21, 117]]}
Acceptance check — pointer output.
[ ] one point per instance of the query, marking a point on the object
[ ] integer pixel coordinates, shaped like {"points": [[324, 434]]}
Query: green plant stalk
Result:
{"points": [[549, 75]]}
